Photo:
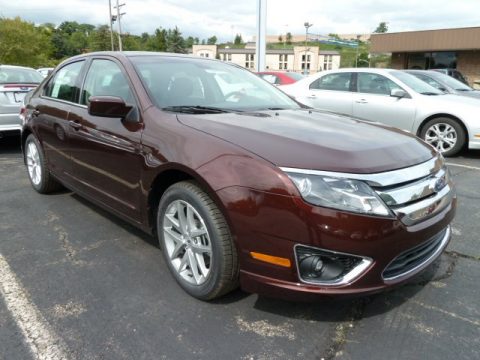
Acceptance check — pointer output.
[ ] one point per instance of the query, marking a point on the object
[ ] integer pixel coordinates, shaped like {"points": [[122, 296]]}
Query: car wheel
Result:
{"points": [[38, 173], [444, 134], [196, 242]]}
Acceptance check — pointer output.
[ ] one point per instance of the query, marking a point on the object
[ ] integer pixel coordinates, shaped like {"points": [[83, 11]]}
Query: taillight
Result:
{"points": [[23, 113]]}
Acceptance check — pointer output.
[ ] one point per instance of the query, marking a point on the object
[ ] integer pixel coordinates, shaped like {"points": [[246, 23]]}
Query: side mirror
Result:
{"points": [[398, 93], [108, 106]]}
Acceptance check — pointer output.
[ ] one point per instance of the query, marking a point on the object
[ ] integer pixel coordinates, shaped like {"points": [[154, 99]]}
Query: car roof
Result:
{"points": [[15, 67]]}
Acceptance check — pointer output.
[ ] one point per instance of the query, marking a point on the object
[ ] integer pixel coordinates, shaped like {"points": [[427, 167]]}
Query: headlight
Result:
{"points": [[337, 193]]}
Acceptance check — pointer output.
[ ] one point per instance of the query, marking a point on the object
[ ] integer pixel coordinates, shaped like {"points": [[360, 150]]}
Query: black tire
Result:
{"points": [[459, 131], [223, 264], [47, 182]]}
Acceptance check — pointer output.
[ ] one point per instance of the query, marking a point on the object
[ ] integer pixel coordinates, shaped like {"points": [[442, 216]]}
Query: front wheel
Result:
{"points": [[444, 134], [196, 242]]}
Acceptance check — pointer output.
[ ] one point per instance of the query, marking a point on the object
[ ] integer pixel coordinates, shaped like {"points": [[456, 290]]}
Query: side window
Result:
{"points": [[375, 84], [104, 78], [335, 82], [64, 85]]}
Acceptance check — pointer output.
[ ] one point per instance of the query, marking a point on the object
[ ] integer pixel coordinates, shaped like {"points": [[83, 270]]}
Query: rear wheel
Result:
{"points": [[196, 242], [444, 134], [38, 173]]}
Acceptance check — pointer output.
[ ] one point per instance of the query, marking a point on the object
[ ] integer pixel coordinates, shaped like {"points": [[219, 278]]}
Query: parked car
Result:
{"points": [[445, 83], [239, 189], [453, 73], [45, 71], [15, 82], [280, 77], [447, 122]]}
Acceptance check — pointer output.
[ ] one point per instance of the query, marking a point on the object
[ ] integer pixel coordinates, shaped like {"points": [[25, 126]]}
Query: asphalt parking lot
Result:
{"points": [[77, 283]]}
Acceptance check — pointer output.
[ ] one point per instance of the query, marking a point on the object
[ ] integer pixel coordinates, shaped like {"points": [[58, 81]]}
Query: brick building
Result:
{"points": [[446, 48], [295, 59]]}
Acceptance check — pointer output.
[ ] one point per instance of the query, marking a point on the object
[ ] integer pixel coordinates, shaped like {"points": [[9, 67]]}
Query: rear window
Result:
{"points": [[19, 75]]}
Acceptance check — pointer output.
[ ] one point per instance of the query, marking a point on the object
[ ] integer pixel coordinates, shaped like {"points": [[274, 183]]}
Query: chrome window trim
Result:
{"points": [[347, 279], [381, 179], [423, 265]]}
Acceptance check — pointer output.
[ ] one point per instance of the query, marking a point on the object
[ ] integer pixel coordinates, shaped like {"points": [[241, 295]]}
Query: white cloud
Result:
{"points": [[225, 19]]}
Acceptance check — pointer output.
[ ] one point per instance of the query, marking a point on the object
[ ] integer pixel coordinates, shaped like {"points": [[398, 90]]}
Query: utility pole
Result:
{"points": [[119, 15], [111, 22]]}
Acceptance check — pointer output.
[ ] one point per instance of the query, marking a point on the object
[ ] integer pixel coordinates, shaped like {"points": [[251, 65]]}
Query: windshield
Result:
{"points": [[450, 81], [415, 83], [176, 82], [19, 76]]}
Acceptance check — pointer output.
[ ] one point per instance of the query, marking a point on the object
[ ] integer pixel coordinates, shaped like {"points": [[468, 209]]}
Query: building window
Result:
{"points": [[306, 60], [432, 60], [283, 62], [327, 62], [249, 61]]}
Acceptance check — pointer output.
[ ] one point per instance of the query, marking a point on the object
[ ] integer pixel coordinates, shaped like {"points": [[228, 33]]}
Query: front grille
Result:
{"points": [[414, 257]]}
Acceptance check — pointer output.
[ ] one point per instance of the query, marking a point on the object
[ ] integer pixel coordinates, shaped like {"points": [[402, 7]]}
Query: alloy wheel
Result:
{"points": [[33, 163], [441, 136], [187, 242]]}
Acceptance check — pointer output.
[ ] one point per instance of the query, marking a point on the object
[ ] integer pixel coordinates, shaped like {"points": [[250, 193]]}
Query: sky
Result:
{"points": [[224, 18]]}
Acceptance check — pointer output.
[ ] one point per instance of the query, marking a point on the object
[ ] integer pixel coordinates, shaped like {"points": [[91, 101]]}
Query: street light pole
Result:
{"points": [[356, 52], [307, 26]]}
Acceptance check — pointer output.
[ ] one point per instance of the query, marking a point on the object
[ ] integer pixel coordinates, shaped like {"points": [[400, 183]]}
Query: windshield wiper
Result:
{"points": [[196, 109], [429, 93], [463, 89]]}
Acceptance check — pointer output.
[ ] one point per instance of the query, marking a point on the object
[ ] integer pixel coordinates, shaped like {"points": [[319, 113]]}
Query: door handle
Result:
{"points": [[74, 124], [361, 101], [312, 96]]}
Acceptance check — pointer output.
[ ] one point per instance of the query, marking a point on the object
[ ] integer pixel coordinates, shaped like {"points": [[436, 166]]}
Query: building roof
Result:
{"points": [[427, 40], [271, 51]]}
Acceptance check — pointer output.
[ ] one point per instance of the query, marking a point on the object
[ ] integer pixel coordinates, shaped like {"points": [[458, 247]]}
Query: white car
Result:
{"points": [[447, 122]]}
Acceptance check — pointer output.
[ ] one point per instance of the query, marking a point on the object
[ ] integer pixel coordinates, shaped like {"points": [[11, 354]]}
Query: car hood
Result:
{"points": [[472, 94], [315, 140]]}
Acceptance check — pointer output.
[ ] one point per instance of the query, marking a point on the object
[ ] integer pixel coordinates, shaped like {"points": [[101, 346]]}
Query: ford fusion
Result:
{"points": [[240, 184]]}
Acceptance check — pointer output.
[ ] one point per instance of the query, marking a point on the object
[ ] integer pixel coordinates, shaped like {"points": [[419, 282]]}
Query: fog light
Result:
{"points": [[325, 267]]}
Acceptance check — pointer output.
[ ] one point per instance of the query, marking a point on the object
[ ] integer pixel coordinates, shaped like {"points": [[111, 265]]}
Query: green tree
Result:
{"points": [[381, 28], [189, 42], [334, 36], [280, 38], [289, 38], [212, 40], [175, 41], [22, 43], [238, 40], [100, 39]]}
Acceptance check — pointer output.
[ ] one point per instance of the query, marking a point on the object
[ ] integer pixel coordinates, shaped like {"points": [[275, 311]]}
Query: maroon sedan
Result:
{"points": [[280, 77], [239, 183]]}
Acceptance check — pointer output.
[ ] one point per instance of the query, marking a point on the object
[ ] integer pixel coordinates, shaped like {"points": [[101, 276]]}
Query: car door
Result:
{"points": [[373, 102], [52, 110], [106, 153], [331, 92]]}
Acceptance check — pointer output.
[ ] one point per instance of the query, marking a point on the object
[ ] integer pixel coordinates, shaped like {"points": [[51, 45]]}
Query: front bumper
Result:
{"points": [[273, 224]]}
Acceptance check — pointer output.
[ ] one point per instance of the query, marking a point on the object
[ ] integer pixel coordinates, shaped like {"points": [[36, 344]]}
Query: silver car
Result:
{"points": [[445, 83], [447, 122], [15, 82]]}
